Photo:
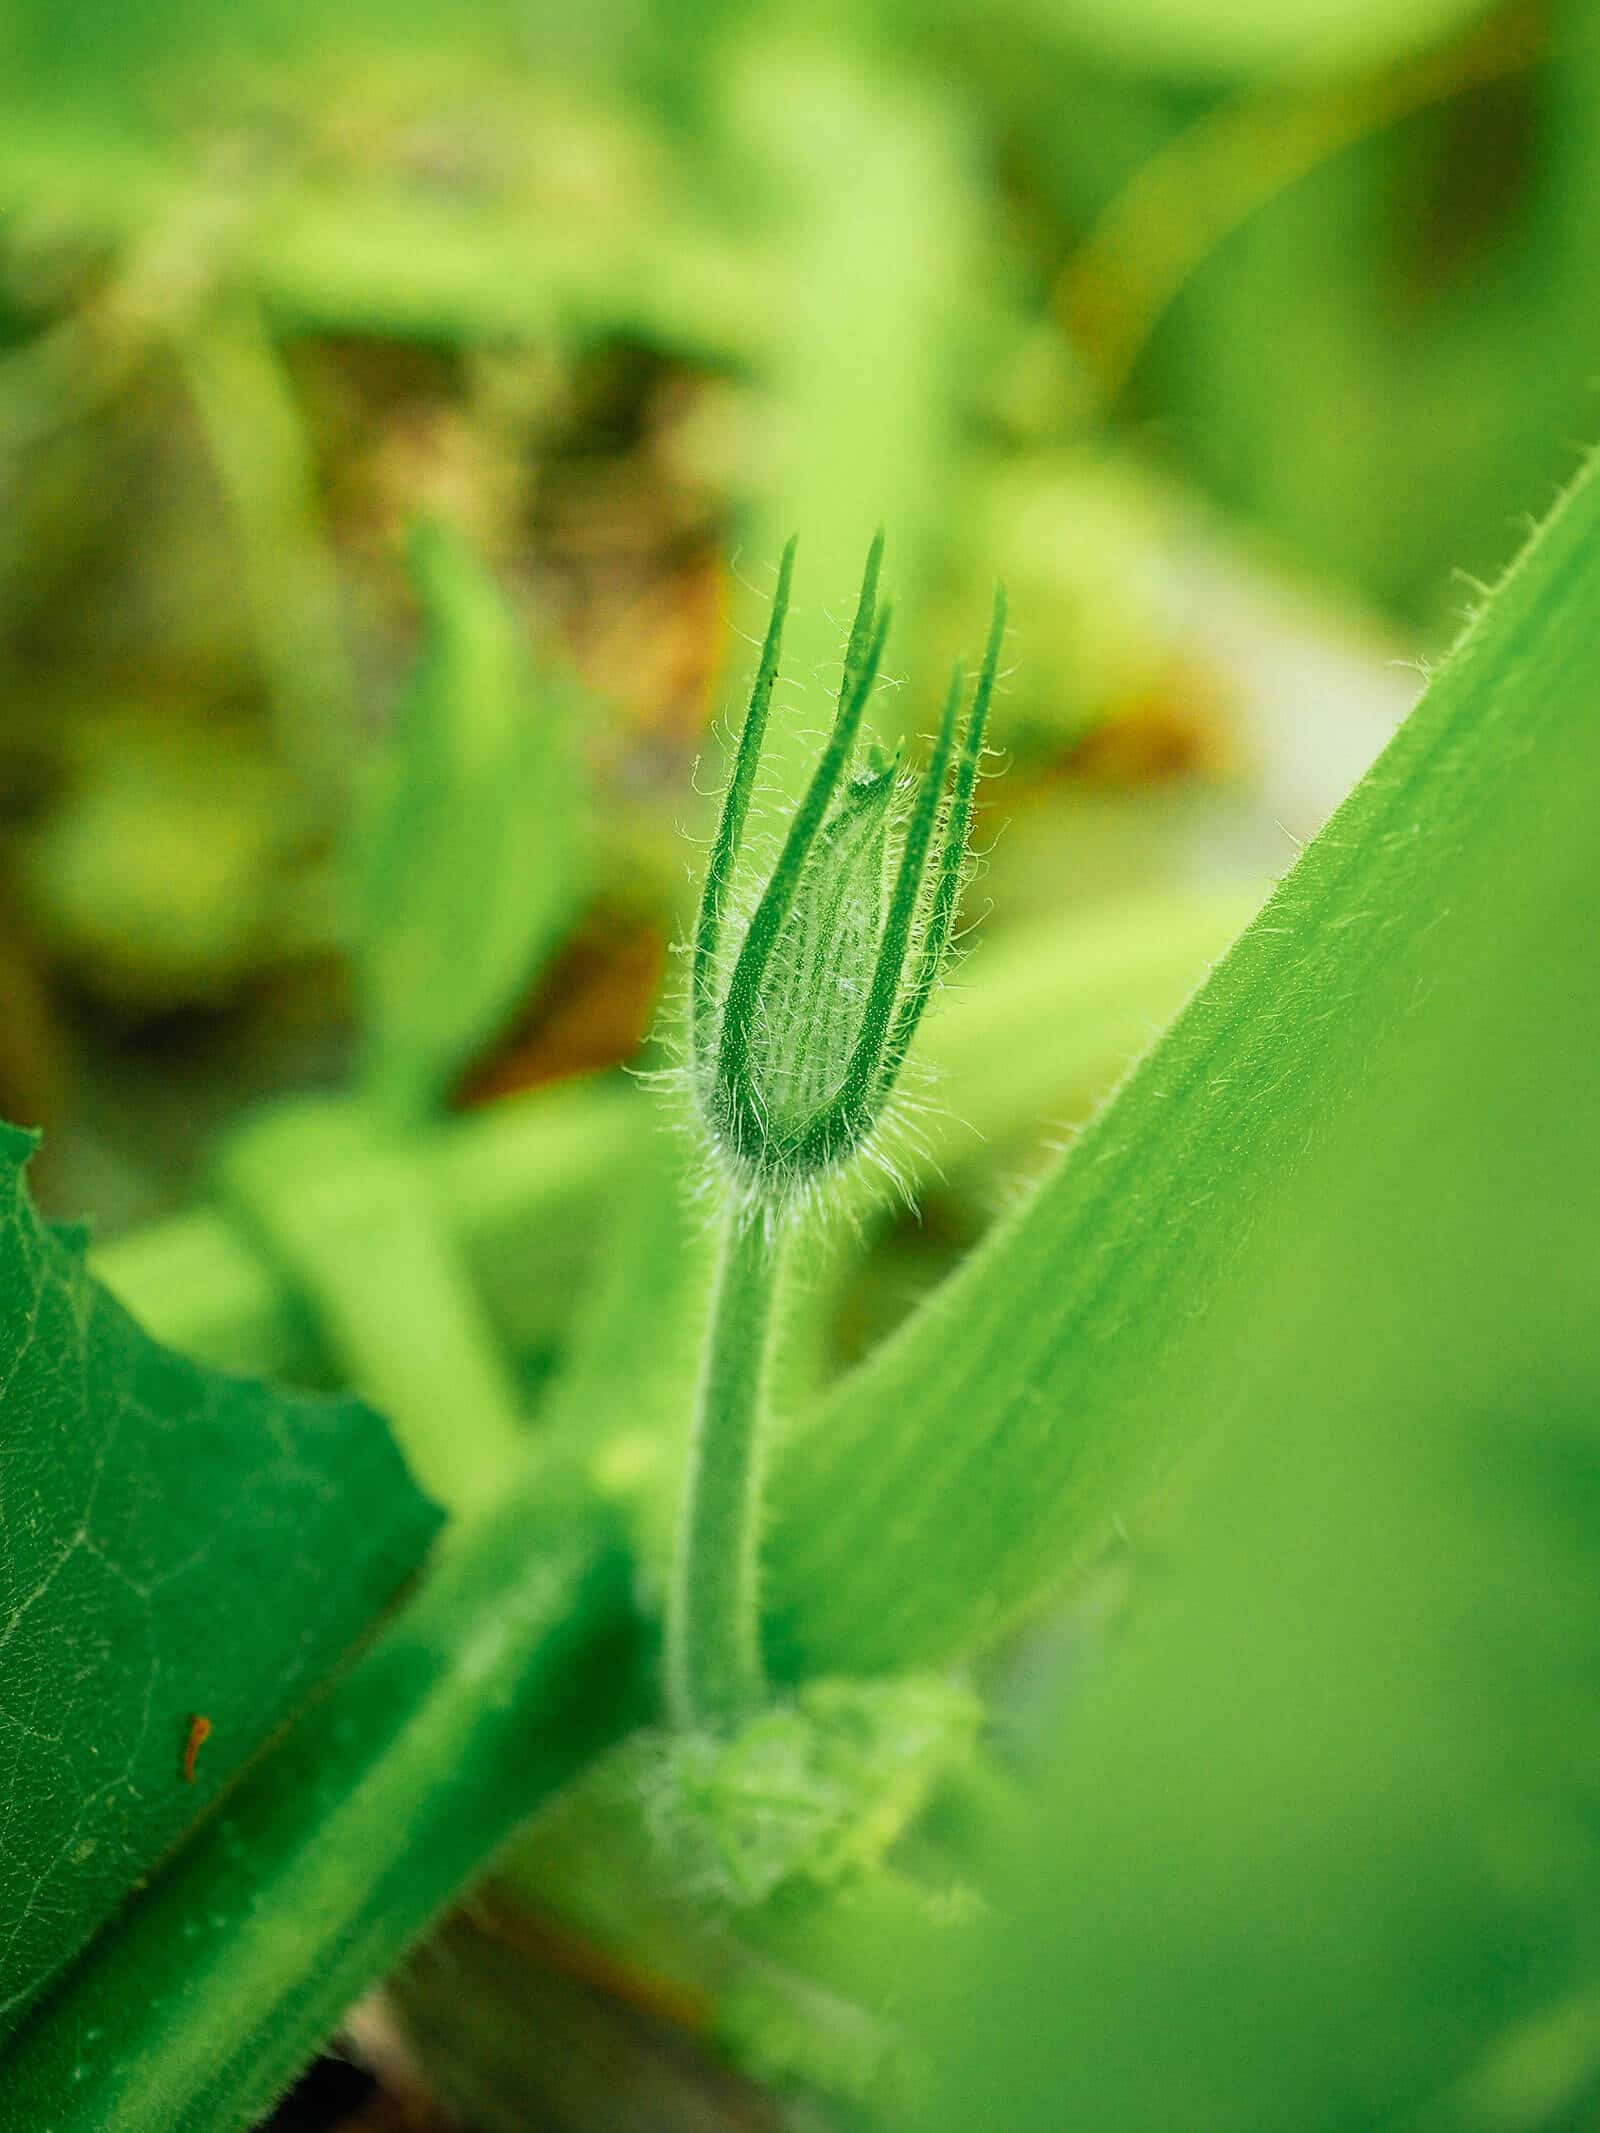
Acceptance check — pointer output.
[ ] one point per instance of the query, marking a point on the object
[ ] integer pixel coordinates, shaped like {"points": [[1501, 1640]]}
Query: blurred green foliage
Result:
{"points": [[611, 294], [470, 862], [1230, 336]]}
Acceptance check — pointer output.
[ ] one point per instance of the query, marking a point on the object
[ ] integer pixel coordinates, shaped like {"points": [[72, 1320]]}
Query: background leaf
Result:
{"points": [[173, 1543], [1216, 38], [470, 870]]}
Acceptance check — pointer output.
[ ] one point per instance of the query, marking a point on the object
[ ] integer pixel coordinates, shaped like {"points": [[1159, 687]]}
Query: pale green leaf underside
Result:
{"points": [[1055, 1380], [173, 1542]]}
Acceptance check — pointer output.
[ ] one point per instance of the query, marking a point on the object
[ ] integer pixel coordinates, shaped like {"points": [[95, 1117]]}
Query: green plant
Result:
{"points": [[797, 1038], [1369, 1497]]}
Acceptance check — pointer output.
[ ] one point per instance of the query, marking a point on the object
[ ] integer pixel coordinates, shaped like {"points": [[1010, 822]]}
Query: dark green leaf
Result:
{"points": [[515, 1661], [173, 1544]]}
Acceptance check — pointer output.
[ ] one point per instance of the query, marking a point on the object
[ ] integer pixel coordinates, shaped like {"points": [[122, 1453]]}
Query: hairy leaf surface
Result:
{"points": [[1053, 1383], [1320, 1848]]}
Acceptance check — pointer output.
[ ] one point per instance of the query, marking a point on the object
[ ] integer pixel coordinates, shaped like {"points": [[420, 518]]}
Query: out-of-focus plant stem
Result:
{"points": [[263, 458], [344, 1210], [863, 172]]}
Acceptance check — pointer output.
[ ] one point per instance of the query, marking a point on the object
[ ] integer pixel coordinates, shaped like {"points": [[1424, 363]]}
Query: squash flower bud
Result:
{"points": [[800, 1027]]}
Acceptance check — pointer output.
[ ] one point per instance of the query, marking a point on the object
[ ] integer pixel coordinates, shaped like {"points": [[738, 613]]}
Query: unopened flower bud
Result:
{"points": [[801, 1027]]}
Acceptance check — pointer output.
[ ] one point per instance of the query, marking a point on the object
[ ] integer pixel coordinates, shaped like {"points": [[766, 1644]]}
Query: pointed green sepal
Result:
{"points": [[797, 1051]]}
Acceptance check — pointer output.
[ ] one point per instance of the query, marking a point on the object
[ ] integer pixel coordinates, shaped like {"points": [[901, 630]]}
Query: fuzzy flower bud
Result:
{"points": [[800, 1028]]}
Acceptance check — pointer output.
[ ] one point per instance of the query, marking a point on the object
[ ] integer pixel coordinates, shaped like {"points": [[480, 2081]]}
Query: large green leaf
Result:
{"points": [[515, 1661], [1321, 1846], [173, 1544], [1055, 1381]]}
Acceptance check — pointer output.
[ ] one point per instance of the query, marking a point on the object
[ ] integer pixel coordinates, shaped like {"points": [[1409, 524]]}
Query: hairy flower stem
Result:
{"points": [[714, 1670]]}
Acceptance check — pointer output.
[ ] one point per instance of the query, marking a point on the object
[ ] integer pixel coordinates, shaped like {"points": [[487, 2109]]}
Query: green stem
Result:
{"points": [[714, 1670]]}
